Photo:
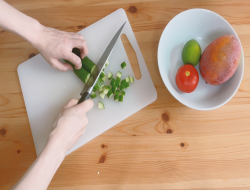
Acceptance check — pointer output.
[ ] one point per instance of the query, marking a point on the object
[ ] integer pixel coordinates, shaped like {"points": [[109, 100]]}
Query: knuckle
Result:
{"points": [[80, 36]]}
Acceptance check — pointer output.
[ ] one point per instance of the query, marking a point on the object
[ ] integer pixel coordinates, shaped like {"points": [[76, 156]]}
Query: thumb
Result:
{"points": [[71, 103], [85, 106]]}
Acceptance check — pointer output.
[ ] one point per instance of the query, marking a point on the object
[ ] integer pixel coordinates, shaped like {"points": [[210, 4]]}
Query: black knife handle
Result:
{"points": [[84, 97]]}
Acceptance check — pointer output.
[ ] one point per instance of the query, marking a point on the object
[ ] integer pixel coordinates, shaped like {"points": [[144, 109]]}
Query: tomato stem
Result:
{"points": [[187, 73]]}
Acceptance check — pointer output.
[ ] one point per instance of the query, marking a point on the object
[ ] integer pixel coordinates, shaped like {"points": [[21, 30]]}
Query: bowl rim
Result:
{"points": [[242, 54]]}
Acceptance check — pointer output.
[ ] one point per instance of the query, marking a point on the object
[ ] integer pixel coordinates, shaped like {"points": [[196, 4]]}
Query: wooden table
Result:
{"points": [[164, 146]]}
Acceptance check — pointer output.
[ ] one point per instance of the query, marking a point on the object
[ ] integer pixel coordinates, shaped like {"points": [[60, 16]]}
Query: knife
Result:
{"points": [[88, 88]]}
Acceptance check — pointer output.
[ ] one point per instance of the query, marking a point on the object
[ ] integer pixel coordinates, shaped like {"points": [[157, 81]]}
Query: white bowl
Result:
{"points": [[203, 26]]}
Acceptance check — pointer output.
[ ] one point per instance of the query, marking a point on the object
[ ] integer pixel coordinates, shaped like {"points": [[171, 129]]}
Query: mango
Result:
{"points": [[220, 60]]}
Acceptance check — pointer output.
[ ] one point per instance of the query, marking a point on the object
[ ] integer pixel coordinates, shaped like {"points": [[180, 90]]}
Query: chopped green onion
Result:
{"points": [[123, 65], [110, 93], [116, 97], [122, 93], [119, 74], [121, 98], [110, 75], [102, 95], [131, 80], [100, 105], [112, 82], [126, 85]]}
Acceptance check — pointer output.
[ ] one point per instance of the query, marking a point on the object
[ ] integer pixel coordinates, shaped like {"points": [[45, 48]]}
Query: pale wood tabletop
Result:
{"points": [[165, 145]]}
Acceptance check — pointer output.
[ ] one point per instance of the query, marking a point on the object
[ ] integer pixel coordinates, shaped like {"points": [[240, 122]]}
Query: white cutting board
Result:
{"points": [[46, 90]]}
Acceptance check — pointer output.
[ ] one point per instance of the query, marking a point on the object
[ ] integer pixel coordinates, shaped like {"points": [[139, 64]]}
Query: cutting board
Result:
{"points": [[46, 90]]}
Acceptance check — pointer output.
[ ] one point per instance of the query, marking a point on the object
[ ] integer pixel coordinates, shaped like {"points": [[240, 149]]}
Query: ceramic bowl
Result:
{"points": [[203, 26]]}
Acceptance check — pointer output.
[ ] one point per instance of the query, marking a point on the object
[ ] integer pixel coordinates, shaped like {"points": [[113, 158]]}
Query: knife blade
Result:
{"points": [[88, 88]]}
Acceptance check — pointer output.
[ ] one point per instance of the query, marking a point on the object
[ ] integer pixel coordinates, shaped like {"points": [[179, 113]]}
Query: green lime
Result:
{"points": [[191, 52]]}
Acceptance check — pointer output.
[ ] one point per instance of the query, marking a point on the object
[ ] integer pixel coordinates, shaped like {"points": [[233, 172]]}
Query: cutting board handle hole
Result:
{"points": [[131, 56]]}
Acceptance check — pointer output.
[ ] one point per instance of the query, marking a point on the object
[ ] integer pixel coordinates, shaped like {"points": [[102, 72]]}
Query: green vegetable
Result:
{"points": [[90, 81], [110, 93], [98, 84], [119, 75], [122, 87], [88, 65], [123, 81], [117, 81], [102, 76], [102, 95], [123, 93], [106, 89], [101, 105], [101, 88], [110, 75], [116, 97], [126, 85], [123, 65], [106, 64], [93, 95], [127, 79], [112, 82], [114, 88], [117, 92], [131, 80], [82, 73], [121, 98]]}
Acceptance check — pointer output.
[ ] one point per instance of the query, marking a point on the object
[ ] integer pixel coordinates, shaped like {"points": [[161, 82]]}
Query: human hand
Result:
{"points": [[54, 44], [71, 122]]}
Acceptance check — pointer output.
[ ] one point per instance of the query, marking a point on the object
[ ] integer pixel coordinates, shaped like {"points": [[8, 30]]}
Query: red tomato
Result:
{"points": [[187, 78]]}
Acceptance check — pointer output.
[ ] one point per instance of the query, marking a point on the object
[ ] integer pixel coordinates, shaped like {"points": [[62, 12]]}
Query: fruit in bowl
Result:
{"points": [[220, 60]]}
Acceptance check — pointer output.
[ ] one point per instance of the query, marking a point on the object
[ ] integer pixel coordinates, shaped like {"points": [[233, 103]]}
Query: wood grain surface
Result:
{"points": [[164, 146]]}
